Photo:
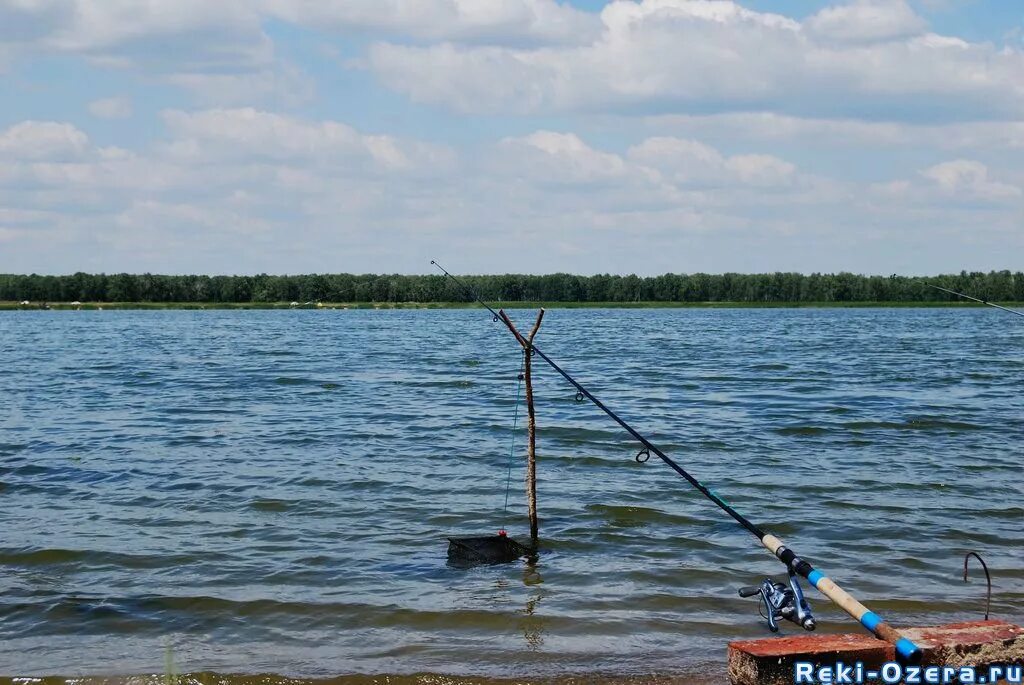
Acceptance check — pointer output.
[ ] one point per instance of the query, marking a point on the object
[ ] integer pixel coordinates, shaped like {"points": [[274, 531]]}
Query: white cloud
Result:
{"points": [[220, 52], [564, 158], [250, 134], [43, 140], [677, 153], [283, 84], [212, 156], [659, 171], [162, 36], [278, 179], [285, 193], [686, 161], [678, 55], [864, 59], [969, 179], [686, 118], [866, 21], [119, 107], [230, 32], [761, 169], [475, 21], [188, 42], [221, 174], [100, 26], [283, 182], [841, 132]]}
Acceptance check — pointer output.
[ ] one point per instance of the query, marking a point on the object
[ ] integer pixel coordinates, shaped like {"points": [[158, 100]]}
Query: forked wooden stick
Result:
{"points": [[531, 455]]}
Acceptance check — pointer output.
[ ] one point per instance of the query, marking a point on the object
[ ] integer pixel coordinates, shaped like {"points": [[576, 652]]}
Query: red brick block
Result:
{"points": [[771, 661], [976, 643]]}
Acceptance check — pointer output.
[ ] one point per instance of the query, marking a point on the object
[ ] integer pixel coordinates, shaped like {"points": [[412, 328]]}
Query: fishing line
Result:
{"points": [[867, 618], [512, 441]]}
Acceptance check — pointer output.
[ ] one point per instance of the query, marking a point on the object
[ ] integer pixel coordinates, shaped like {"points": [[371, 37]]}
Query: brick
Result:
{"points": [[975, 643], [771, 661]]}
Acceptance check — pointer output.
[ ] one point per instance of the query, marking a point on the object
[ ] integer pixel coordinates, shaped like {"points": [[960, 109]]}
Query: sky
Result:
{"points": [[522, 136]]}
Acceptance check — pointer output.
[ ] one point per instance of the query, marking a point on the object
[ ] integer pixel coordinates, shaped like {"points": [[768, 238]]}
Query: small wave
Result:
{"points": [[212, 611], [299, 441], [61, 556], [310, 482], [801, 430], [289, 380], [190, 440], [913, 424], [579, 435], [183, 485], [29, 470], [41, 557], [197, 411], [604, 462], [272, 505], [457, 383], [624, 516]]}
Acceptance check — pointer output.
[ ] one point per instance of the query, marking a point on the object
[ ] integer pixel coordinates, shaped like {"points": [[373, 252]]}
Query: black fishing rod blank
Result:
{"points": [[968, 297], [906, 649]]}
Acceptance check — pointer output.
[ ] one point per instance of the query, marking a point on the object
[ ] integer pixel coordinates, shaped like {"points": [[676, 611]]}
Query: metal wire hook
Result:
{"points": [[645, 453], [988, 579]]}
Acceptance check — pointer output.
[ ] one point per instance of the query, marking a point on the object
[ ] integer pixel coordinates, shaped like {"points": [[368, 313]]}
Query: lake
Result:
{"points": [[270, 491]]}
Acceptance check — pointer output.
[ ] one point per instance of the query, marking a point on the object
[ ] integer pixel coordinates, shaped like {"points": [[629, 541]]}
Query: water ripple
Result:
{"points": [[269, 491]]}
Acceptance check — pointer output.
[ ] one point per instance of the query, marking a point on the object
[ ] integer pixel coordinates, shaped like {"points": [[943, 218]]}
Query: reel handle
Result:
{"points": [[749, 590]]}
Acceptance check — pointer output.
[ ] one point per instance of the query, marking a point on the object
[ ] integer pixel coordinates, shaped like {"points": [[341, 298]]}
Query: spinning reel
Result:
{"points": [[782, 602]]}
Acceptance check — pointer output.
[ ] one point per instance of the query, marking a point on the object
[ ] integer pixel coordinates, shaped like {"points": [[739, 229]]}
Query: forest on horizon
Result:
{"points": [[559, 287]]}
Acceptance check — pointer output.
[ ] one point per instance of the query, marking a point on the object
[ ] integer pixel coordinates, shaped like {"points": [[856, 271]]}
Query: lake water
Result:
{"points": [[270, 491]]}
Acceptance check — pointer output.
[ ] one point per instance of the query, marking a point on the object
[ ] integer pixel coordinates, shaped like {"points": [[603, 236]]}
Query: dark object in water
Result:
{"points": [[488, 549]]}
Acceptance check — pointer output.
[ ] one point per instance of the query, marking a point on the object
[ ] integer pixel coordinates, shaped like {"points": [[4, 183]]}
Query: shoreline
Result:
{"points": [[97, 306]]}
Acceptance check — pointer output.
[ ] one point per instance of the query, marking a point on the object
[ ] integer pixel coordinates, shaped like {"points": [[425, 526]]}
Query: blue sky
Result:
{"points": [[638, 136]]}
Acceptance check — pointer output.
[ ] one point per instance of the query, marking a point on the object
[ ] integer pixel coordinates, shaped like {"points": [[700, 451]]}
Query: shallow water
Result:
{"points": [[269, 491]]}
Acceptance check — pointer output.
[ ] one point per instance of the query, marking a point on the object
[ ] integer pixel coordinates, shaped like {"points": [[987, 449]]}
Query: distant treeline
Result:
{"points": [[730, 287]]}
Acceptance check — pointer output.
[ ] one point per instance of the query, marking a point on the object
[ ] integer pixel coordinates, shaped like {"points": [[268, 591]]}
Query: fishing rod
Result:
{"points": [[867, 618], [968, 297]]}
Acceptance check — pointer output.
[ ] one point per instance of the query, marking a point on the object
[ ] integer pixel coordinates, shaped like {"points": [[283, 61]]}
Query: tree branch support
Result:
{"points": [[531, 458]]}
